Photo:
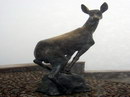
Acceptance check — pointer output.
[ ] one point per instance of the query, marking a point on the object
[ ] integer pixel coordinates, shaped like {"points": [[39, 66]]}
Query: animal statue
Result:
{"points": [[58, 50]]}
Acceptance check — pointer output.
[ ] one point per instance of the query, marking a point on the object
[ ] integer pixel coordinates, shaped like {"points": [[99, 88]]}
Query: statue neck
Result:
{"points": [[91, 25]]}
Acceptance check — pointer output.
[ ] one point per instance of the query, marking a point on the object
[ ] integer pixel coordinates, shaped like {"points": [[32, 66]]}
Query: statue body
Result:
{"points": [[58, 50]]}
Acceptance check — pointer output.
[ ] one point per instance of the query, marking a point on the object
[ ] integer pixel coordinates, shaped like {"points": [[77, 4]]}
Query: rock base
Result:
{"points": [[64, 84]]}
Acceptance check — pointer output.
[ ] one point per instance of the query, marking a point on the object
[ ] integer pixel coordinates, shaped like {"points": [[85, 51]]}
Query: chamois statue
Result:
{"points": [[58, 50]]}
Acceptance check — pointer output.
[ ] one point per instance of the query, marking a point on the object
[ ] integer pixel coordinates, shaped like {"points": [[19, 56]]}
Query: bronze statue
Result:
{"points": [[58, 50]]}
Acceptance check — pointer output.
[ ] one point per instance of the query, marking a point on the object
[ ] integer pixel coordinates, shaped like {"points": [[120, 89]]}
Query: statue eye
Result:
{"points": [[99, 13]]}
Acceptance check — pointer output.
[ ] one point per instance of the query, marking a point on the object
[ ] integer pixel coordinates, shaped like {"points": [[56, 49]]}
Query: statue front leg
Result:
{"points": [[68, 57], [68, 68], [76, 58]]}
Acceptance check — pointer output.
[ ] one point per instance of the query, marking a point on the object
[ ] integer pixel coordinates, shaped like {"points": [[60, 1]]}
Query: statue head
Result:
{"points": [[95, 14]]}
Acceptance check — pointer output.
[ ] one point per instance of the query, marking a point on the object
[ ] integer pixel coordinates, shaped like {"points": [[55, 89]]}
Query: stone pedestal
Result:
{"points": [[64, 84]]}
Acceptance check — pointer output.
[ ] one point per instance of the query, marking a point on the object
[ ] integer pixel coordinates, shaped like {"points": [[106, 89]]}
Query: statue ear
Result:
{"points": [[84, 9], [103, 7]]}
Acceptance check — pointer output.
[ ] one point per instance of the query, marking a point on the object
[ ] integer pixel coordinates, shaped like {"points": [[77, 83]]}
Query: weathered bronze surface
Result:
{"points": [[58, 50]]}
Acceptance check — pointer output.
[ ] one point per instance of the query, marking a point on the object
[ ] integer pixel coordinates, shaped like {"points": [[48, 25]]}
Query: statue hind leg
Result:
{"points": [[39, 62], [58, 62]]}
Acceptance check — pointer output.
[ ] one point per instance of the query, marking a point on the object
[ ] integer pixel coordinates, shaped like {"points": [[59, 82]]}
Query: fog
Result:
{"points": [[24, 22]]}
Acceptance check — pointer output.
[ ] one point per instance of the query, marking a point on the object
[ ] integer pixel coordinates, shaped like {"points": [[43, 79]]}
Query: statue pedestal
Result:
{"points": [[64, 84]]}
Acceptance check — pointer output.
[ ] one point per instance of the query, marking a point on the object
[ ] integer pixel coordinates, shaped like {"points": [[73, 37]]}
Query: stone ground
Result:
{"points": [[16, 83]]}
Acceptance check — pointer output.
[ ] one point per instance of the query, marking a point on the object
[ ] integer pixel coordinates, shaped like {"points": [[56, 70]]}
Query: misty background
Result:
{"points": [[25, 22]]}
